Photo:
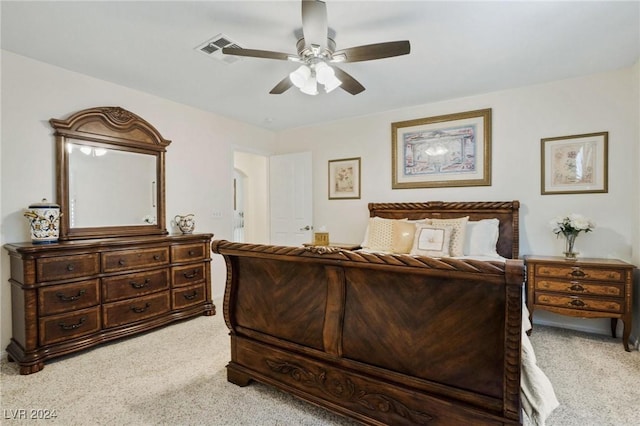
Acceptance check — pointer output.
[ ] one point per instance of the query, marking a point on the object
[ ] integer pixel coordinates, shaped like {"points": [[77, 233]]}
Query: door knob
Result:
{"points": [[306, 228]]}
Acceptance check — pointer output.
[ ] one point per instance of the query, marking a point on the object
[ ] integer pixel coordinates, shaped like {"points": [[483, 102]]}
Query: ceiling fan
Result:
{"points": [[318, 55]]}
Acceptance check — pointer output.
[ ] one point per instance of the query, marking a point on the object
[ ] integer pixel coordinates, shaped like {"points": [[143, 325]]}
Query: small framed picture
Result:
{"points": [[344, 179], [575, 164]]}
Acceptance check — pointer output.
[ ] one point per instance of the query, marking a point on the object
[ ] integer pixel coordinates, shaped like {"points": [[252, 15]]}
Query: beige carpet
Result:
{"points": [[176, 376]]}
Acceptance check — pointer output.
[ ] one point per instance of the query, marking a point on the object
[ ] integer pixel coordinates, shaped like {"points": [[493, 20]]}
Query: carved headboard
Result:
{"points": [[507, 212]]}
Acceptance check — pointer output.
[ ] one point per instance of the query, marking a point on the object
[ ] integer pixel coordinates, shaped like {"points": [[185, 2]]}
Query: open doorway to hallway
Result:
{"points": [[251, 198]]}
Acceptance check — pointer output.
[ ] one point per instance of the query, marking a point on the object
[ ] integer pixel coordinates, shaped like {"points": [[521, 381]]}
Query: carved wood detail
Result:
{"points": [[344, 389]]}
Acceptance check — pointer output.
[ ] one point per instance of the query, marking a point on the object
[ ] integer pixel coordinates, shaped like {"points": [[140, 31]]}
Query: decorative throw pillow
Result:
{"points": [[402, 233], [458, 225], [481, 238], [379, 234], [431, 240]]}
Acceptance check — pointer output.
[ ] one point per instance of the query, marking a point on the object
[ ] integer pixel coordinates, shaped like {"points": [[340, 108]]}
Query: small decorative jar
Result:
{"points": [[185, 223], [44, 222]]}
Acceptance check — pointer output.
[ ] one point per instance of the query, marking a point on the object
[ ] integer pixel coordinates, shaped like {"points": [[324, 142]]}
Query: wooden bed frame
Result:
{"points": [[383, 339]]}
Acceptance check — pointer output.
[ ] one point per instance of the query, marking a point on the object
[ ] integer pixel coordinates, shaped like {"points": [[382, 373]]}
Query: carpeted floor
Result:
{"points": [[176, 376]]}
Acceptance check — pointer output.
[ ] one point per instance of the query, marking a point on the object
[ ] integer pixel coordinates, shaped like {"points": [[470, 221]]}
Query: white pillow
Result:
{"points": [[458, 228], [431, 240], [481, 238]]}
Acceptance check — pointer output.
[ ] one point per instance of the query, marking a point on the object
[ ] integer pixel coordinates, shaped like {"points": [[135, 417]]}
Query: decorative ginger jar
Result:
{"points": [[44, 222]]}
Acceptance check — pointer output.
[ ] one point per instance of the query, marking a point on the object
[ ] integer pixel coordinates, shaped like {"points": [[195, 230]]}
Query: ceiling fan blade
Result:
{"points": [[253, 53], [281, 87], [349, 84], [314, 23], [372, 51]]}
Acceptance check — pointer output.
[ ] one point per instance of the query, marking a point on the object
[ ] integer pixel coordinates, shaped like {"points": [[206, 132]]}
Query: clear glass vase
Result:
{"points": [[569, 252]]}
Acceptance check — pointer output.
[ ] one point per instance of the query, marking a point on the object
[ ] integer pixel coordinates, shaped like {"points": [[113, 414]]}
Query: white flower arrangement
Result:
{"points": [[572, 224]]}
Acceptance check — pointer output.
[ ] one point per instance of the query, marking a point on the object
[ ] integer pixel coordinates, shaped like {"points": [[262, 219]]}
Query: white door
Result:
{"points": [[290, 199]]}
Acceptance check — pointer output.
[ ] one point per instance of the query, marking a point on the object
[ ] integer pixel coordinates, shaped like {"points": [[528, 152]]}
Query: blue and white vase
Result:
{"points": [[44, 222]]}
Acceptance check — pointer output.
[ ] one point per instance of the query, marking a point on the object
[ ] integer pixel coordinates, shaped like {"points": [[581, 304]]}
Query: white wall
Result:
{"points": [[199, 161], [521, 118]]}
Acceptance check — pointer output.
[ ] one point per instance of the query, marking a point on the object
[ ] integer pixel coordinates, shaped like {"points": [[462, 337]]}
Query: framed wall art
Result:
{"points": [[575, 164], [344, 179], [447, 150]]}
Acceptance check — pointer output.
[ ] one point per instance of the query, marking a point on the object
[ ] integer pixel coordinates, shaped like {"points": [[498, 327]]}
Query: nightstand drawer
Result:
{"points": [[131, 259], [579, 303], [133, 285], [580, 273], [56, 299], [65, 267], [580, 287]]}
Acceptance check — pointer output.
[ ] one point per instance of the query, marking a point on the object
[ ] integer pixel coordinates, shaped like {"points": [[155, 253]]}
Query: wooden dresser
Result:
{"points": [[74, 295], [586, 288]]}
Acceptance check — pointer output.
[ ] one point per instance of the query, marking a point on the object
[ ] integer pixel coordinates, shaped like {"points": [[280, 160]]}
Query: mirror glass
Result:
{"points": [[110, 187]]}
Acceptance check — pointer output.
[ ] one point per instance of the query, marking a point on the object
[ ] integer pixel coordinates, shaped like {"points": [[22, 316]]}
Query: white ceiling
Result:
{"points": [[457, 49]]}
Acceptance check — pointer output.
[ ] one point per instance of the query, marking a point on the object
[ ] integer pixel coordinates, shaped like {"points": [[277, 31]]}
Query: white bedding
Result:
{"points": [[536, 392]]}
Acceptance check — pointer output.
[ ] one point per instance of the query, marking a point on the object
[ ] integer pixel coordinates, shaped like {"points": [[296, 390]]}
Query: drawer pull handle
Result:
{"points": [[191, 296], [64, 298], [121, 262], [191, 275], [577, 302], [70, 267], [139, 285], [72, 326], [156, 257], [578, 273], [191, 252], [576, 287], [140, 310]]}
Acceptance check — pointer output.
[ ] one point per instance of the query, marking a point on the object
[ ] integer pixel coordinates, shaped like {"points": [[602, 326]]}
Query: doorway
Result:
{"points": [[251, 198]]}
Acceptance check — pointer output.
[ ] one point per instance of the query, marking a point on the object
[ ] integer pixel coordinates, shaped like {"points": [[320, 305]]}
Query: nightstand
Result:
{"points": [[585, 288]]}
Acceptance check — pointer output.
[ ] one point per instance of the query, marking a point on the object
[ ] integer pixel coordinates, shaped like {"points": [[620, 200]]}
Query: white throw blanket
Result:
{"points": [[537, 395]]}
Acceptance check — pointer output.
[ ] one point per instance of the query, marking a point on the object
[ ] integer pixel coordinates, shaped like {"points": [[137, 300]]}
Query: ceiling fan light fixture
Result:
{"points": [[332, 84], [311, 86], [300, 77], [324, 72]]}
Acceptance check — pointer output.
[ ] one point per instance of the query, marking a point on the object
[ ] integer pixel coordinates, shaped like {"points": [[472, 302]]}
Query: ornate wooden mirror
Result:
{"points": [[110, 175]]}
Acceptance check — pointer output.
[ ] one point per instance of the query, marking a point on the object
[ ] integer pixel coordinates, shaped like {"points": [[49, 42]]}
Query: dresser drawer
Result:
{"points": [[579, 302], [65, 267], [133, 285], [189, 274], [56, 299], [132, 310], [57, 328], [189, 252], [580, 287], [131, 259], [188, 296], [580, 273]]}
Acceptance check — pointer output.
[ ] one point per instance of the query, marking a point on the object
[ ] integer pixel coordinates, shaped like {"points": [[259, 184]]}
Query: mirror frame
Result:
{"points": [[110, 127]]}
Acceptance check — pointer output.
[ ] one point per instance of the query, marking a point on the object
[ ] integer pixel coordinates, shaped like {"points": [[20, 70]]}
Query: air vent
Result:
{"points": [[213, 48]]}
